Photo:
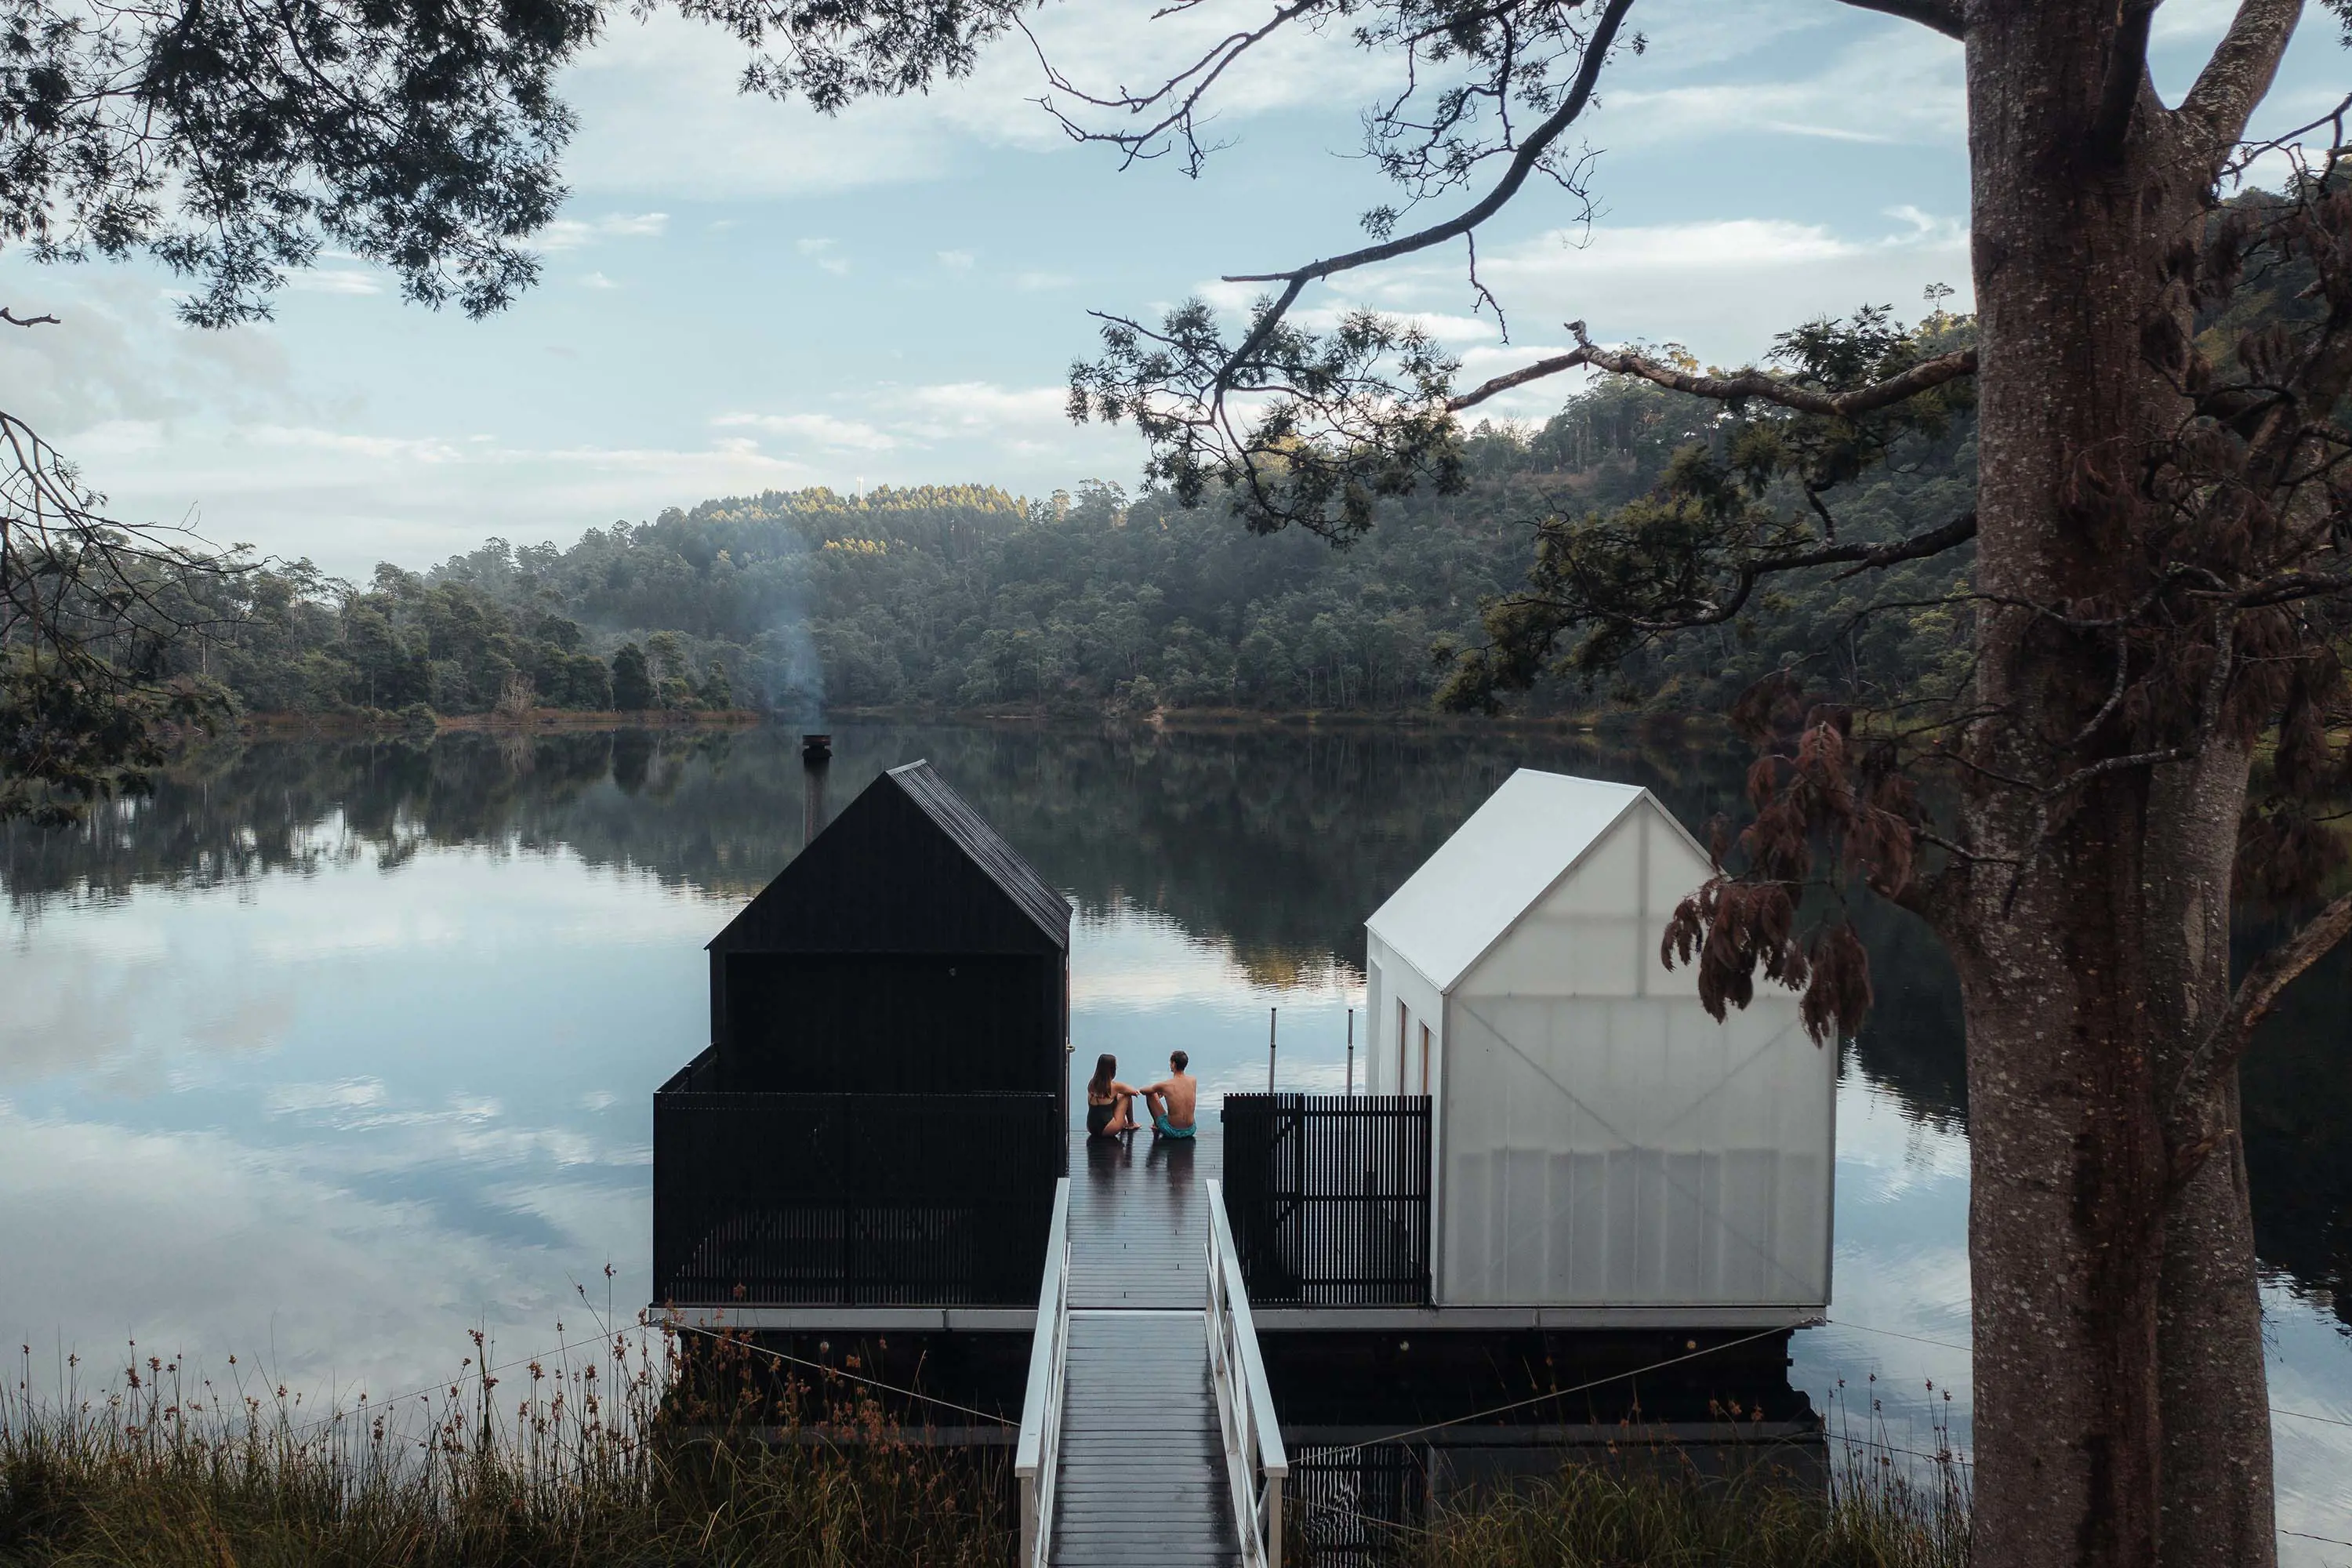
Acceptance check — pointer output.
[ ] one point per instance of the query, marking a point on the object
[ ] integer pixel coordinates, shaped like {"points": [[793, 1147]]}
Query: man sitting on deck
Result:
{"points": [[1173, 1099]]}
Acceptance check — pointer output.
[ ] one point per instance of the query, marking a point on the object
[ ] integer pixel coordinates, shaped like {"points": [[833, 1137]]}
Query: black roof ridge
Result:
{"points": [[987, 848]]}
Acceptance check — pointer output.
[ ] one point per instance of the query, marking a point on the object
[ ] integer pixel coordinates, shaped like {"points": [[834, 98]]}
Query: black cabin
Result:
{"points": [[909, 948]]}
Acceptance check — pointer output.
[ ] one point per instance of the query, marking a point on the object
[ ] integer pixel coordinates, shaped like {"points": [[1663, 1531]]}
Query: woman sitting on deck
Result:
{"points": [[1110, 1104]]}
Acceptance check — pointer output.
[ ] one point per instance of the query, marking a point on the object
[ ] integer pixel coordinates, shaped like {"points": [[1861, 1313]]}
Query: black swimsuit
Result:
{"points": [[1098, 1117]]}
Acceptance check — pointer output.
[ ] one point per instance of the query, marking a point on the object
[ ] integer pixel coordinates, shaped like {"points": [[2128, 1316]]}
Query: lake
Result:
{"points": [[330, 1051]]}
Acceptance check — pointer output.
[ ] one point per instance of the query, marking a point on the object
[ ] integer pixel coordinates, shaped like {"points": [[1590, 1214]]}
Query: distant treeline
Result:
{"points": [[970, 598]]}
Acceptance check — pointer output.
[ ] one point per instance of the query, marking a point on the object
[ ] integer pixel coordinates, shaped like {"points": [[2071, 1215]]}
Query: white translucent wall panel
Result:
{"points": [[1392, 982], [1606, 1143]]}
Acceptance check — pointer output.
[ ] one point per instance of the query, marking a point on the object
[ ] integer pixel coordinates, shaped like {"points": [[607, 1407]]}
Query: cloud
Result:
{"points": [[926, 417], [597, 280], [661, 106], [821, 252], [955, 261], [817, 429], [1890, 84], [351, 444], [573, 234], [964, 407], [332, 281], [119, 356], [1036, 282]]}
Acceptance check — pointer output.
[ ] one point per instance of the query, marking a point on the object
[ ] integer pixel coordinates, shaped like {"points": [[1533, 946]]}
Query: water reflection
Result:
{"points": [[338, 1047]]}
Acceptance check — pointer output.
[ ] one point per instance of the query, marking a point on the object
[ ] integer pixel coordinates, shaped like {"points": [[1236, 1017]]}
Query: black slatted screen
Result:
{"points": [[875, 1199], [1328, 1197]]}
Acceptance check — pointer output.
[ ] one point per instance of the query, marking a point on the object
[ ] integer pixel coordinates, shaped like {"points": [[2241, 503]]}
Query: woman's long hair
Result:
{"points": [[1106, 1068]]}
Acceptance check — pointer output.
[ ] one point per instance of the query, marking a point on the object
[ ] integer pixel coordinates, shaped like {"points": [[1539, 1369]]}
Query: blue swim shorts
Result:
{"points": [[1159, 1124]]}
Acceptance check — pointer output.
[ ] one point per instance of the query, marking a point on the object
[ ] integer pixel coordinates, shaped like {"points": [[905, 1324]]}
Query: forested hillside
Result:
{"points": [[970, 598]]}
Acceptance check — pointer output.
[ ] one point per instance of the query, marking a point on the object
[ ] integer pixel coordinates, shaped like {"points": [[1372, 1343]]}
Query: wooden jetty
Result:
{"points": [[1149, 1433], [1141, 1473]]}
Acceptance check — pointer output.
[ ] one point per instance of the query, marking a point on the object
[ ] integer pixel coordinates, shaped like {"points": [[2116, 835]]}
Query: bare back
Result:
{"points": [[1181, 1092]]}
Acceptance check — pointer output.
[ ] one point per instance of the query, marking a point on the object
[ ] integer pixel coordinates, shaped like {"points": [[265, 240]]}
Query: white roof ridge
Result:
{"points": [[1507, 857]]}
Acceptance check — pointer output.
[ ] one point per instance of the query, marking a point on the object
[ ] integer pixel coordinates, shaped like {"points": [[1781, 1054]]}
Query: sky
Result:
{"points": [[741, 295]]}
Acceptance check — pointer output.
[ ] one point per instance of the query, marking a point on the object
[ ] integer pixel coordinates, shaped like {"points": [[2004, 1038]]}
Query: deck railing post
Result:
{"points": [[1036, 1452], [1257, 1461]]}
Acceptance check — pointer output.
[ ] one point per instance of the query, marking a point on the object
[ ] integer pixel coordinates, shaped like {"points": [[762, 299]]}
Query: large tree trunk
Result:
{"points": [[2067, 1174], [2214, 1392], [2069, 1224]]}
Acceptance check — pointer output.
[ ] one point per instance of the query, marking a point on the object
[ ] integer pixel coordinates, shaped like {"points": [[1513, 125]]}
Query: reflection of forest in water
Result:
{"points": [[1273, 844]]}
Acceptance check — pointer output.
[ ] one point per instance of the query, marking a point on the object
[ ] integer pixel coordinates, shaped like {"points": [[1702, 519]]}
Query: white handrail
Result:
{"points": [[1035, 1458], [1255, 1460]]}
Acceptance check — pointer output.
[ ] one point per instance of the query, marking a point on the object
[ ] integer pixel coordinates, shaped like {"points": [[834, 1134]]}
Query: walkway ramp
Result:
{"points": [[1142, 1471], [1140, 1433]]}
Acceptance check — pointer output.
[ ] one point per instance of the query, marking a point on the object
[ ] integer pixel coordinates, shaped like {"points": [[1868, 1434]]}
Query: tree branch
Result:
{"points": [[2127, 76], [2188, 1113], [1925, 376], [1944, 16], [1523, 163], [15, 320], [1863, 557], [1502, 383], [2240, 70], [2283, 589]]}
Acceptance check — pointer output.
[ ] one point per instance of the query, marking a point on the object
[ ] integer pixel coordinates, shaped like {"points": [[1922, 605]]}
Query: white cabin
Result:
{"points": [[1604, 1153]]}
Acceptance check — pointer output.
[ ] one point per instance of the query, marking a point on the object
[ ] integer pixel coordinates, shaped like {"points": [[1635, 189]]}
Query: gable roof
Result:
{"points": [[1038, 898], [1508, 855], [907, 866]]}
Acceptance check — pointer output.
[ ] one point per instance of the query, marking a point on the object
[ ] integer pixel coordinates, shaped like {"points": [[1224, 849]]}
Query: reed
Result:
{"points": [[1650, 1506], [624, 1449]]}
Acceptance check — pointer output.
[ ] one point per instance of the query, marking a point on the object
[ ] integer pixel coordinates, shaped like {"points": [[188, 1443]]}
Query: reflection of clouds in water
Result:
{"points": [[1124, 955], [131, 985], [309, 1099], [413, 1151], [375, 1136], [1901, 1270], [191, 1240], [1890, 1149], [2306, 1356]]}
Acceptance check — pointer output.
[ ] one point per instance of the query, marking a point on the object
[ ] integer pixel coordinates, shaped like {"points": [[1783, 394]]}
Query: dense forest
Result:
{"points": [[969, 598]]}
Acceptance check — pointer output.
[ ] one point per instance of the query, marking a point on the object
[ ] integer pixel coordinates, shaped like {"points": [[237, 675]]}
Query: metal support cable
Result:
{"points": [[851, 1376]]}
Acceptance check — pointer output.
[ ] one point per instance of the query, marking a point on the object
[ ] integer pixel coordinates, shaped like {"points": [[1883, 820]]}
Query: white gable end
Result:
{"points": [[1498, 865]]}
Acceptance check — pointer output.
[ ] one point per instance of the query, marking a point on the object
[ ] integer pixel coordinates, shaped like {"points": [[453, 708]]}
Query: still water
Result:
{"points": [[331, 1051]]}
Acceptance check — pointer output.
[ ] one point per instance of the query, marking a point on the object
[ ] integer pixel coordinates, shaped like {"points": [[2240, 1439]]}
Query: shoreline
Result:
{"points": [[299, 725]]}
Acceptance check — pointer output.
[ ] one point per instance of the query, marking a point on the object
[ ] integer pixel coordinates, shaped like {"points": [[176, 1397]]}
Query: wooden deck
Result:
{"points": [[1142, 1477], [1139, 1222]]}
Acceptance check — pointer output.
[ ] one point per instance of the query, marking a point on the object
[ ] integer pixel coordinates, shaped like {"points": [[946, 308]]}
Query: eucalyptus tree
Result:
{"points": [[2156, 590]]}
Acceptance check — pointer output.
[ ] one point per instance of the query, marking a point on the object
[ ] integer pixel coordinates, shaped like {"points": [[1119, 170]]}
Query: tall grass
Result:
{"points": [[624, 1450], [1651, 1507]]}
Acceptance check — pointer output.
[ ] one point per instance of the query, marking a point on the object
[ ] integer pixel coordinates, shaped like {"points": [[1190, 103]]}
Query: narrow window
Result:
{"points": [[1404, 1020], [1424, 1059]]}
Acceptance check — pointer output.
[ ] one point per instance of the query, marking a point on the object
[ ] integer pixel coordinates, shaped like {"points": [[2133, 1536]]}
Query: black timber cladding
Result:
{"points": [[907, 948]]}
